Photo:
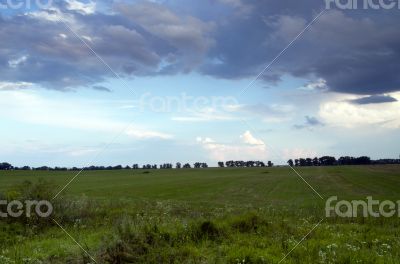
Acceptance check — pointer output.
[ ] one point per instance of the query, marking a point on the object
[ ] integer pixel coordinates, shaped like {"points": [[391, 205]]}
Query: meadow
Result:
{"points": [[214, 215]]}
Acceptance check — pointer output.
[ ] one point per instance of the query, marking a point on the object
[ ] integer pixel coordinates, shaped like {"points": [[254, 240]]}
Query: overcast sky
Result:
{"points": [[123, 82]]}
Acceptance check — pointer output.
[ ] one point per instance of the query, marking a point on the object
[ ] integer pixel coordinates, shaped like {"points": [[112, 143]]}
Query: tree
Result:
{"points": [[187, 166], [290, 162], [327, 161], [230, 164], [178, 165], [270, 164], [6, 166], [221, 164]]}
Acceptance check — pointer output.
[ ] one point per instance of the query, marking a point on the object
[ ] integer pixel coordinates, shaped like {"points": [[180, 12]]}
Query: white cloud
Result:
{"points": [[51, 14], [249, 148], [143, 134], [319, 84], [248, 138], [15, 63], [344, 114], [7, 86], [83, 8]]}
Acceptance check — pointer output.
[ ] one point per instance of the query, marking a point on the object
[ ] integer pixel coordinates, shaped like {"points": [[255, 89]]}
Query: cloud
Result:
{"points": [[129, 42], [310, 123], [147, 38], [187, 35], [101, 88], [249, 139], [355, 62], [348, 115], [7, 86], [83, 8], [248, 148], [374, 99], [14, 63], [318, 85], [145, 134], [240, 7]]}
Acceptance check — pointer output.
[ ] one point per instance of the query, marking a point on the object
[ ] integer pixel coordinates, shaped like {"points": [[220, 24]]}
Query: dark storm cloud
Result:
{"points": [[354, 51], [37, 47], [374, 99]]}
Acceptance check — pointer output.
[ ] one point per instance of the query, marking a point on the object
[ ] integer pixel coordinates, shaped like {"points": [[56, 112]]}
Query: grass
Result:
{"points": [[211, 215]]}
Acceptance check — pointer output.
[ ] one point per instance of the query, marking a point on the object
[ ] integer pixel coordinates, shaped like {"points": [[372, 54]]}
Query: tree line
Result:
{"points": [[243, 164], [300, 162], [178, 165], [346, 160]]}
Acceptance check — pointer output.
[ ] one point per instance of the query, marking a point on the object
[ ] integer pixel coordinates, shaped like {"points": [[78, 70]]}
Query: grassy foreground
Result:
{"points": [[203, 216]]}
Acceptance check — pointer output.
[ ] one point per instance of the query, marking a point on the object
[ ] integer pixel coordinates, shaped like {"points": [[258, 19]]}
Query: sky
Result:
{"points": [[124, 82]]}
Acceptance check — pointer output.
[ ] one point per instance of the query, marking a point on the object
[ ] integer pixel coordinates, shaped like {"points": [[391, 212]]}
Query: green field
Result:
{"points": [[211, 215]]}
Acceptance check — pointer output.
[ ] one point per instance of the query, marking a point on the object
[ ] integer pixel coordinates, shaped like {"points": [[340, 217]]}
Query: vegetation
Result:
{"points": [[331, 161], [230, 215]]}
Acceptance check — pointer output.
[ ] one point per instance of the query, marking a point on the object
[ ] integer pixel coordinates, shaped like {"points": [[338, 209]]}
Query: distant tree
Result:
{"points": [[327, 161], [230, 164], [290, 163], [221, 164], [250, 164], [43, 168], [178, 165], [187, 166], [239, 163], [296, 162], [363, 160], [315, 161], [6, 166], [270, 164]]}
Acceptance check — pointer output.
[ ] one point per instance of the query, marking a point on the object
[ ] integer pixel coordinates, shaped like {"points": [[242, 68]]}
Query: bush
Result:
{"points": [[250, 222]]}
